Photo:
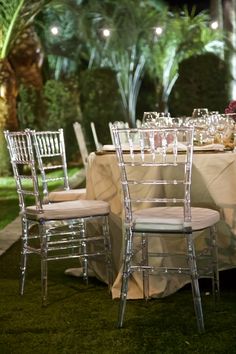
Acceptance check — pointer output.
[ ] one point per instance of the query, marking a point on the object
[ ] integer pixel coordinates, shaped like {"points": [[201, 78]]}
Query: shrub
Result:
{"points": [[203, 82]]}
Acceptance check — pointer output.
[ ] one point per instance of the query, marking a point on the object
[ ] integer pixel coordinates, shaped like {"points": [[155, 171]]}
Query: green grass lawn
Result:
{"points": [[9, 206], [82, 319]]}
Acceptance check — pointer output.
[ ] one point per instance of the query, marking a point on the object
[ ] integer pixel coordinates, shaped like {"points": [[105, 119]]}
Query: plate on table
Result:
{"points": [[202, 148], [209, 147], [108, 148]]}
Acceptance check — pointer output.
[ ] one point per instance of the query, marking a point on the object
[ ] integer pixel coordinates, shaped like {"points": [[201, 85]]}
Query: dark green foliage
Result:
{"points": [[147, 101], [4, 166], [56, 106], [82, 319], [30, 108], [203, 82], [100, 102], [59, 104]]}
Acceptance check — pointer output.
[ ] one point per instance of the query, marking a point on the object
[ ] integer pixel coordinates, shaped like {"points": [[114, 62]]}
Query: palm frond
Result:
{"points": [[15, 16]]}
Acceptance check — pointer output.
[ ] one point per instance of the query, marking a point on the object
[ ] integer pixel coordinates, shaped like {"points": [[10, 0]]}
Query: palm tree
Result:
{"points": [[229, 25], [183, 35], [18, 54], [128, 25], [132, 47]]}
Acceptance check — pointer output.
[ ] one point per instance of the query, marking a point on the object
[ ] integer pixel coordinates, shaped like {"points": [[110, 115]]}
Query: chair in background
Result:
{"points": [[156, 182], [81, 142], [50, 151], [98, 145], [58, 230]]}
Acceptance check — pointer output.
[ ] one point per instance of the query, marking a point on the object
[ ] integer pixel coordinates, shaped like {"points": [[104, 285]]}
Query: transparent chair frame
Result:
{"points": [[51, 156], [49, 145], [160, 205], [81, 142], [98, 145], [118, 124], [54, 231]]}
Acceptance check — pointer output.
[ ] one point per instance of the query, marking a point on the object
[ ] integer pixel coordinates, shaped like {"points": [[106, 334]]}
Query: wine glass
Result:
{"points": [[149, 119], [199, 112], [223, 127], [200, 125], [163, 119]]}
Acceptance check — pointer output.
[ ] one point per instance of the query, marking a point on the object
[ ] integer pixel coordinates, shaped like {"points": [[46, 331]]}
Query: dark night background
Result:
{"points": [[200, 5]]}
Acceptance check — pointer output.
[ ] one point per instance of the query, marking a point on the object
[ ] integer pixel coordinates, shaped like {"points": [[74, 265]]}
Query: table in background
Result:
{"points": [[213, 186]]}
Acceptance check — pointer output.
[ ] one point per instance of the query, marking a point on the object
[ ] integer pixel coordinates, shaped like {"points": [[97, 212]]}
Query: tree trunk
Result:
{"points": [[4, 159], [229, 8], [8, 93], [162, 100], [8, 118]]}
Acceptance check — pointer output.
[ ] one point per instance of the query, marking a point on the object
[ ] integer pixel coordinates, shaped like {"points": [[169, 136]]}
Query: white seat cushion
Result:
{"points": [[69, 210], [62, 196], [171, 218]]}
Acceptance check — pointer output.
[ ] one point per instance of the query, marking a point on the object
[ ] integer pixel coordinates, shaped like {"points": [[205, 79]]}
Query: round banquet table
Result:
{"points": [[213, 186]]}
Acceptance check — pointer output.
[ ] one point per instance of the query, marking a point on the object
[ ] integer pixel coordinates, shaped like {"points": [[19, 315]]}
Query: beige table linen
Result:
{"points": [[213, 186]]}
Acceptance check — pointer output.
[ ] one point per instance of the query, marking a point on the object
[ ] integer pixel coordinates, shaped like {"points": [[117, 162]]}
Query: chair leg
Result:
{"points": [[106, 234], [125, 277], [44, 279], [145, 263], [83, 227], [23, 262], [215, 270], [44, 266], [195, 284]]}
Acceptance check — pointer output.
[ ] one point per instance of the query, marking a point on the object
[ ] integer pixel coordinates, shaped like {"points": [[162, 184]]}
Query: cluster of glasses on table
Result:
{"points": [[213, 127], [210, 127], [156, 119]]}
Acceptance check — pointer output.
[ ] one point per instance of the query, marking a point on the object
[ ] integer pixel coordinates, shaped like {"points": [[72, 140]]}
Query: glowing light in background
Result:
{"points": [[106, 32], [54, 30], [214, 25], [158, 31]]}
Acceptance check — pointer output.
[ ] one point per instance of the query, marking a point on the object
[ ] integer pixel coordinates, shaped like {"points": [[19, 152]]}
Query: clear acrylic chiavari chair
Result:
{"points": [[81, 142], [119, 124], [98, 145], [156, 183], [55, 231]]}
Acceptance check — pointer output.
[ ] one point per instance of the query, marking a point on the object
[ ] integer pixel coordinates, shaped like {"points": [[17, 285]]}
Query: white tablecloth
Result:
{"points": [[213, 185]]}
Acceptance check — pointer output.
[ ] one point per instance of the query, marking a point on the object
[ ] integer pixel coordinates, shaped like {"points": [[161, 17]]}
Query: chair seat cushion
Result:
{"points": [[69, 210], [62, 196], [172, 219]]}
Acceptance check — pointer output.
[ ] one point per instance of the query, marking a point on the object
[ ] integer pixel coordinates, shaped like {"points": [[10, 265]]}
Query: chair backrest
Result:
{"points": [[81, 142], [50, 151], [118, 124], [21, 153], [98, 145], [155, 168]]}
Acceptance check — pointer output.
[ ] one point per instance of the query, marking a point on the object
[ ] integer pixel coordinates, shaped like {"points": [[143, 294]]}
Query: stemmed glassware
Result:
{"points": [[149, 118], [210, 127], [199, 112], [200, 128], [154, 119], [220, 128]]}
